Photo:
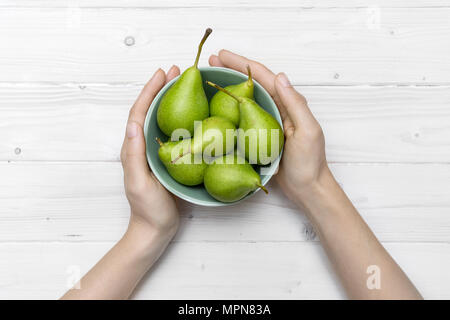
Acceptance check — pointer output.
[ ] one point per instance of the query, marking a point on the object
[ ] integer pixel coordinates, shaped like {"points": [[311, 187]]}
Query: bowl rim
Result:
{"points": [[272, 169]]}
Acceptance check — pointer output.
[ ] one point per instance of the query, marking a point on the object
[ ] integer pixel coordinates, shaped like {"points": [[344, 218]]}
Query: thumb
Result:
{"points": [[134, 159], [295, 104]]}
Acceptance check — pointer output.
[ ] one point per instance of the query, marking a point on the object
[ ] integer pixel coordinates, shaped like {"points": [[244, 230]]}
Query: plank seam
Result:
{"points": [[140, 84], [218, 7], [62, 161], [315, 242]]}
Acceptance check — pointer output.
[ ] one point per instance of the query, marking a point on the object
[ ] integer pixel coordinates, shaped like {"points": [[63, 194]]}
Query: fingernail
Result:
{"points": [[154, 75], [284, 80], [132, 130], [171, 69]]}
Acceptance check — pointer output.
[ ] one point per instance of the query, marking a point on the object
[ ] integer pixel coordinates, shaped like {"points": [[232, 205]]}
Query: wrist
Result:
{"points": [[145, 239], [318, 192], [155, 228]]}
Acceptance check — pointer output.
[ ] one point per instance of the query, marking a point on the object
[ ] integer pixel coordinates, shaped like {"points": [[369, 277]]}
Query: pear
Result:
{"points": [[223, 105], [215, 136], [188, 170], [260, 137], [230, 178], [185, 101]]}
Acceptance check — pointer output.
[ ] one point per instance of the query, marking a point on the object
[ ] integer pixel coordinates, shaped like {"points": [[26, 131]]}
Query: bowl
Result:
{"points": [[198, 194]]}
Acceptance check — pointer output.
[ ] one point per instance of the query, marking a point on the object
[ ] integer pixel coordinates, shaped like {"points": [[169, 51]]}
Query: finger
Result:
{"points": [[260, 72], [148, 93], [215, 61], [173, 72], [134, 161], [295, 104]]}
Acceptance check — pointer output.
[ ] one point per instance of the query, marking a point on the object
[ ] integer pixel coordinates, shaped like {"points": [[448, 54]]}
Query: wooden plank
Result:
{"points": [[218, 3], [43, 122], [214, 270], [85, 202], [361, 124], [395, 124], [341, 46]]}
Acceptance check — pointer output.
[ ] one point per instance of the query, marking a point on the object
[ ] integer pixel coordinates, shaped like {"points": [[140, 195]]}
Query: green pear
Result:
{"points": [[213, 137], [230, 178], [260, 137], [188, 170], [185, 101], [223, 105]]}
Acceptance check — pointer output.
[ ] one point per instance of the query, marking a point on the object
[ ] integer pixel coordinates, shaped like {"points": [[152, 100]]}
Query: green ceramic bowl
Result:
{"points": [[198, 195]]}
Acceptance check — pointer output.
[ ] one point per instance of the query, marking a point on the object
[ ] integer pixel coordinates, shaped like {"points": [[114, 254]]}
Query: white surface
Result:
{"points": [[376, 74]]}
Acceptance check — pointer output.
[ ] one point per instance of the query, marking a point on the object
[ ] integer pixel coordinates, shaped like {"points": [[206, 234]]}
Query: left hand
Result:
{"points": [[153, 208]]}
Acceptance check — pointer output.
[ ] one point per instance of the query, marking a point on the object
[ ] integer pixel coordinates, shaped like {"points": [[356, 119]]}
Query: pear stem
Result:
{"points": [[200, 46], [264, 189], [181, 156], [159, 141], [222, 89], [249, 73]]}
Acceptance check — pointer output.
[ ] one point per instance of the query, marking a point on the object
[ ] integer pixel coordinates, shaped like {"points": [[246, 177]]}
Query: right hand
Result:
{"points": [[303, 163]]}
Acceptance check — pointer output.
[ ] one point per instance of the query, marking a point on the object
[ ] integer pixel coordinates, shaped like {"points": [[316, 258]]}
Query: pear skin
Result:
{"points": [[230, 178], [185, 101], [260, 137], [258, 128], [223, 105], [212, 139], [187, 170]]}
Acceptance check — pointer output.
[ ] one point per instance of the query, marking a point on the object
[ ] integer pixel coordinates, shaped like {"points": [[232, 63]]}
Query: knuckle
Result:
{"points": [[302, 100], [254, 65], [135, 189], [318, 132], [257, 64], [132, 112], [122, 156], [315, 133], [123, 152]]}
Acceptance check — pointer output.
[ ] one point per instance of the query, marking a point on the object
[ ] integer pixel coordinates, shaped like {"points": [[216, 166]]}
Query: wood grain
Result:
{"points": [[73, 122], [320, 46], [376, 74], [219, 3], [213, 270], [86, 202]]}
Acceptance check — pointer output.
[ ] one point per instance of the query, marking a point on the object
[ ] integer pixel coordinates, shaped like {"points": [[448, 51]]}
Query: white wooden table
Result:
{"points": [[376, 74]]}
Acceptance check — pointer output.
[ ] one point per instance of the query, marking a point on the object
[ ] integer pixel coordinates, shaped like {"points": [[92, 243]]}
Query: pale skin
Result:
{"points": [[349, 243]]}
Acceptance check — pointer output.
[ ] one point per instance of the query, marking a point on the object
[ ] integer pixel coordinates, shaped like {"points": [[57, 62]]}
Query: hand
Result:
{"points": [[153, 209], [306, 179], [304, 162]]}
